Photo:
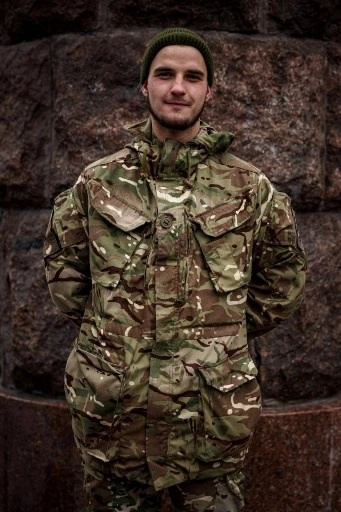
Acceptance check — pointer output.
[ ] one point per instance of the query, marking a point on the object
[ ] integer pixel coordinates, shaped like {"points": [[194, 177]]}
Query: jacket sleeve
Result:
{"points": [[279, 264], [66, 256]]}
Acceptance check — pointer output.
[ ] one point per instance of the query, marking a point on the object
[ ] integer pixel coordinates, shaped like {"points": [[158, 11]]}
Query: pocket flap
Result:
{"points": [[229, 374], [96, 361], [115, 210], [225, 216]]}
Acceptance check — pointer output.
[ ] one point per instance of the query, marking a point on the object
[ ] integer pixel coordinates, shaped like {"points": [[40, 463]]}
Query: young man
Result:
{"points": [[170, 255]]}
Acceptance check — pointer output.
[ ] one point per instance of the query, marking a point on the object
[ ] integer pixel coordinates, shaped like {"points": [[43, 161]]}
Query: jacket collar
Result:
{"points": [[173, 158], [207, 137]]}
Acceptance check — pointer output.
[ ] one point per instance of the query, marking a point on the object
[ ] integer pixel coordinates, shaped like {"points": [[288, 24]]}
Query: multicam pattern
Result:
{"points": [[213, 495], [169, 256]]}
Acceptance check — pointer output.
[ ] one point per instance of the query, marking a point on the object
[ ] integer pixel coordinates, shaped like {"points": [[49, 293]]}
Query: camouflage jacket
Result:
{"points": [[169, 256]]}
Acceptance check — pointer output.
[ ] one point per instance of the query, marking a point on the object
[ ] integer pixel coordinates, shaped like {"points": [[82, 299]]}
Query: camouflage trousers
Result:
{"points": [[107, 493]]}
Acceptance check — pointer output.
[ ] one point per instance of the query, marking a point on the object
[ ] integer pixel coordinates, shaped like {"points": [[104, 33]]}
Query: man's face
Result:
{"points": [[177, 91]]}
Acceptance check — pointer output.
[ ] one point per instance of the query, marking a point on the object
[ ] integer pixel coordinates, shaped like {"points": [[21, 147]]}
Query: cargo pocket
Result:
{"points": [[225, 235], [93, 389], [230, 407], [118, 234]]}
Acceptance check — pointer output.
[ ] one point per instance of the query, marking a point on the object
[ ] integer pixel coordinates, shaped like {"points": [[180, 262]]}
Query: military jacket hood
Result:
{"points": [[170, 157]]}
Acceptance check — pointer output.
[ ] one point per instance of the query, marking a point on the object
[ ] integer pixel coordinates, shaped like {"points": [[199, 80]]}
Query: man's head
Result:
{"points": [[178, 37], [176, 78]]}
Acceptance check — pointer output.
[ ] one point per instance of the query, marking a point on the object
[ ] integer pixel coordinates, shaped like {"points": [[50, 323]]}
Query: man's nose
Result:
{"points": [[178, 86]]}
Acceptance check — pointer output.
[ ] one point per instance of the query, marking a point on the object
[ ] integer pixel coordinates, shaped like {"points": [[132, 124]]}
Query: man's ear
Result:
{"points": [[208, 93], [144, 88]]}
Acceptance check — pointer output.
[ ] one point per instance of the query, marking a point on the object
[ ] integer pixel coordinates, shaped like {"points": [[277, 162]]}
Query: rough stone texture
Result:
{"points": [[39, 466], [309, 18], [294, 462], [241, 16], [25, 123], [333, 165], [36, 339], [271, 96], [301, 358], [34, 19], [335, 459], [102, 72]]}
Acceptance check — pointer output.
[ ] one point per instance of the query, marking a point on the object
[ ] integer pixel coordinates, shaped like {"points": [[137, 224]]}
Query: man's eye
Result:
{"points": [[163, 75], [193, 78]]}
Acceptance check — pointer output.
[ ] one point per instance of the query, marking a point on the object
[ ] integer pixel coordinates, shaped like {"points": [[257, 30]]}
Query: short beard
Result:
{"points": [[177, 125]]}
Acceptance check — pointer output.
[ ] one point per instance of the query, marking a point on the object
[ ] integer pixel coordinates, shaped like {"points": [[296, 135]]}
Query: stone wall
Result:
{"points": [[69, 74]]}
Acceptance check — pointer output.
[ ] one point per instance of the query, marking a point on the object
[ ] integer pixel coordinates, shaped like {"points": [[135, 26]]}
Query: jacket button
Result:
{"points": [[166, 220]]}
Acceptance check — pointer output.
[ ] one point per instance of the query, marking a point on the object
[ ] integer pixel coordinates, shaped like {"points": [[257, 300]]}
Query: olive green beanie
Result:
{"points": [[176, 36]]}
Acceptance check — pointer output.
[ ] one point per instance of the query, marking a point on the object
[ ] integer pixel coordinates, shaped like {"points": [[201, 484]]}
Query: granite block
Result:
{"points": [[35, 19], [290, 466], [41, 467], [25, 127], [96, 94], [270, 94], [35, 338], [304, 18], [205, 15], [333, 127]]}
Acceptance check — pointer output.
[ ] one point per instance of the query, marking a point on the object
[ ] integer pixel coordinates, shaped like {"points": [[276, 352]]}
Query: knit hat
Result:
{"points": [[176, 36]]}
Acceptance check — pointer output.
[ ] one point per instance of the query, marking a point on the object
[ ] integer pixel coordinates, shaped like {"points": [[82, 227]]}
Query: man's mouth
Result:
{"points": [[176, 104]]}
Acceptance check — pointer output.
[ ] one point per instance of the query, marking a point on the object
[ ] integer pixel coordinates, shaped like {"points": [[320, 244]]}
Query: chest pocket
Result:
{"points": [[118, 233], [225, 235]]}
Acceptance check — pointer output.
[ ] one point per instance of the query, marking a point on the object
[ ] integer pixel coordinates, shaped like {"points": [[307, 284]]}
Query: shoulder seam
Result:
{"points": [[108, 159], [237, 162]]}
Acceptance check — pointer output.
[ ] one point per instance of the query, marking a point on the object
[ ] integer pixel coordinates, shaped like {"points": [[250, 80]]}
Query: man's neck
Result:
{"points": [[163, 133]]}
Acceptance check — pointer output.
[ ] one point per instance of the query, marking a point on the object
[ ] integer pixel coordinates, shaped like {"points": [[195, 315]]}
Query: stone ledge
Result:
{"points": [[294, 461]]}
